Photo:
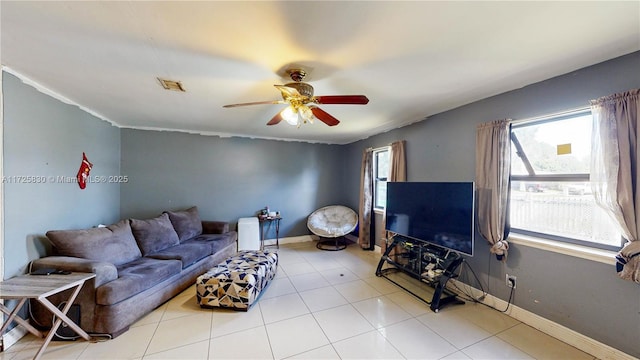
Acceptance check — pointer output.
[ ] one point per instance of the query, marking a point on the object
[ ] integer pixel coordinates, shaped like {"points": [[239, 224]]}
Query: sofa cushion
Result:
{"points": [[135, 277], [215, 227], [153, 235], [187, 223], [216, 242], [187, 253], [114, 244]]}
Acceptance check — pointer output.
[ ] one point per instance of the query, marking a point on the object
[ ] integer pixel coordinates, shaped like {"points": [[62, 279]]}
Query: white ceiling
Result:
{"points": [[412, 59]]}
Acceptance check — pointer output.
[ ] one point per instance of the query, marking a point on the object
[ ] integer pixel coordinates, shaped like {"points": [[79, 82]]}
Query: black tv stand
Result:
{"points": [[428, 263]]}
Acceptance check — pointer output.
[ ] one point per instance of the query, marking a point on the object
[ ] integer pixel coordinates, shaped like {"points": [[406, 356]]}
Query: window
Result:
{"points": [[380, 176], [550, 191]]}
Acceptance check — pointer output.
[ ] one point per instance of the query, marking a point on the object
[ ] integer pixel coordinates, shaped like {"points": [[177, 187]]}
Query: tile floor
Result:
{"points": [[321, 305]]}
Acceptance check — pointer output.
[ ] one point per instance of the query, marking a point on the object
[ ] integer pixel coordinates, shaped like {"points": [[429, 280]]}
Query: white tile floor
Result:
{"points": [[321, 305]]}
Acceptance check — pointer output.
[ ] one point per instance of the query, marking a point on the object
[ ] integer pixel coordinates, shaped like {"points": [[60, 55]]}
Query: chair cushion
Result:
{"points": [[114, 244], [153, 235], [186, 223], [332, 221]]}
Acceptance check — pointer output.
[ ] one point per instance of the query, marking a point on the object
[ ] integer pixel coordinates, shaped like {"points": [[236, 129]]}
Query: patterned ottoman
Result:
{"points": [[237, 282]]}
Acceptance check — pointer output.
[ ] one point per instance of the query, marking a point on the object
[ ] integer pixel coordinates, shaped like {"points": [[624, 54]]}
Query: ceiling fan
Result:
{"points": [[302, 104]]}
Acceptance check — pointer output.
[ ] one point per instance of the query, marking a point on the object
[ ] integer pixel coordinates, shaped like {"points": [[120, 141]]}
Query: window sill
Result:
{"points": [[378, 211], [583, 252]]}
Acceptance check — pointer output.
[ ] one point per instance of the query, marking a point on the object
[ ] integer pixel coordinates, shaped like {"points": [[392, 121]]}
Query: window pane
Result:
{"points": [[382, 161], [381, 172], [565, 209], [550, 193], [558, 147], [381, 194]]}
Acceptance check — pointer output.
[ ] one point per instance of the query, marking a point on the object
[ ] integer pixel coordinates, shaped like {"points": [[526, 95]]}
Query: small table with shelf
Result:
{"points": [[266, 222], [39, 287]]}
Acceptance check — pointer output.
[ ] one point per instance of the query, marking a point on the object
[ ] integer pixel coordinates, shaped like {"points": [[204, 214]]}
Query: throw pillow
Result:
{"points": [[114, 244], [153, 235], [187, 223]]}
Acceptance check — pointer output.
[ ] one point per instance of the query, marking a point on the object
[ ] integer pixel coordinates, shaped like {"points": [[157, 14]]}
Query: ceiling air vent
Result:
{"points": [[171, 85]]}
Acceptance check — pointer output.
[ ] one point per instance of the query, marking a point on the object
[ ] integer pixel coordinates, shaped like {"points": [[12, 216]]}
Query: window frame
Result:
{"points": [[545, 178], [377, 178]]}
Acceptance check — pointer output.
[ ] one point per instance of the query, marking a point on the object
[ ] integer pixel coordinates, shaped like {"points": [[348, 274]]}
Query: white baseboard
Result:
{"points": [[560, 332], [289, 240], [304, 238], [12, 337]]}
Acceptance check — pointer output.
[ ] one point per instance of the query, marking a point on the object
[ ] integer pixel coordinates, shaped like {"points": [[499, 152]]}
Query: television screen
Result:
{"points": [[440, 213]]}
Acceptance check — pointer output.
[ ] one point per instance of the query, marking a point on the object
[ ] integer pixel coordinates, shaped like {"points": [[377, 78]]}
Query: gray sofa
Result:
{"points": [[139, 264]]}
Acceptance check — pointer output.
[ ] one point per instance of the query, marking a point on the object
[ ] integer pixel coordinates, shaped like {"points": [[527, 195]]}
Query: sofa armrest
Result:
{"points": [[104, 271], [215, 227]]}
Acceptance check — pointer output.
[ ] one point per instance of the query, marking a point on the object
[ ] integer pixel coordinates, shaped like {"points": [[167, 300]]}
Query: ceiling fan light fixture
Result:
{"points": [[296, 115], [290, 115], [305, 113]]}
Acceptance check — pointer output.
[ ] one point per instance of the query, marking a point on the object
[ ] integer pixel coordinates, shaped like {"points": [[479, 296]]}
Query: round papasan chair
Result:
{"points": [[332, 222]]}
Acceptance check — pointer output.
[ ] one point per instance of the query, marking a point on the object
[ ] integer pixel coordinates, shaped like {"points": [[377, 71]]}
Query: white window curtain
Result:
{"points": [[493, 166], [615, 173], [397, 173], [366, 200]]}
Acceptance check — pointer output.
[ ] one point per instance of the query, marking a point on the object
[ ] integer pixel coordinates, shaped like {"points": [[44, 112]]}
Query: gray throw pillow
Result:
{"points": [[153, 235], [114, 244], [187, 223]]}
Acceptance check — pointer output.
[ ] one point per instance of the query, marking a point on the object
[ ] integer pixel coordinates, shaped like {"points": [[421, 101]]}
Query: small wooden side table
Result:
{"points": [[266, 222], [39, 287]]}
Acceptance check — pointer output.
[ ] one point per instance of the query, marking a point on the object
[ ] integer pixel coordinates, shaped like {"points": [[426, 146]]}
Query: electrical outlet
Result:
{"points": [[511, 281]]}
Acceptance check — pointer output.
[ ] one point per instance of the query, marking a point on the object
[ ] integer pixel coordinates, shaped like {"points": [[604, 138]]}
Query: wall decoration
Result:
{"points": [[83, 172]]}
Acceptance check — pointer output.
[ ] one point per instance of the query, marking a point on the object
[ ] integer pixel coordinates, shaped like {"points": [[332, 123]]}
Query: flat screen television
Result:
{"points": [[440, 213]]}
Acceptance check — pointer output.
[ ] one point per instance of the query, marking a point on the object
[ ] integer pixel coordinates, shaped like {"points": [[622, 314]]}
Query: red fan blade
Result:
{"points": [[255, 103], [275, 120], [342, 99], [324, 116]]}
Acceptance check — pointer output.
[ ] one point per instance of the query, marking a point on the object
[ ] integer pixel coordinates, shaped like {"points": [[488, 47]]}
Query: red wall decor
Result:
{"points": [[83, 172]]}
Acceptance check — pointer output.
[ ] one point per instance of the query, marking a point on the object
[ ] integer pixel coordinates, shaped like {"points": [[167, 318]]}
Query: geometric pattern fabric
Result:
{"points": [[237, 282]]}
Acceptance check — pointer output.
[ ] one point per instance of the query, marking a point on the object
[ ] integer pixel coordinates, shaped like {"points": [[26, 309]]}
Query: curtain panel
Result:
{"points": [[366, 200], [614, 171], [397, 173], [493, 166]]}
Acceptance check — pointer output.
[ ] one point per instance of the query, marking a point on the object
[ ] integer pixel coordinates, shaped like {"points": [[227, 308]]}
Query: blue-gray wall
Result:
{"points": [[228, 178], [583, 295], [45, 137]]}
